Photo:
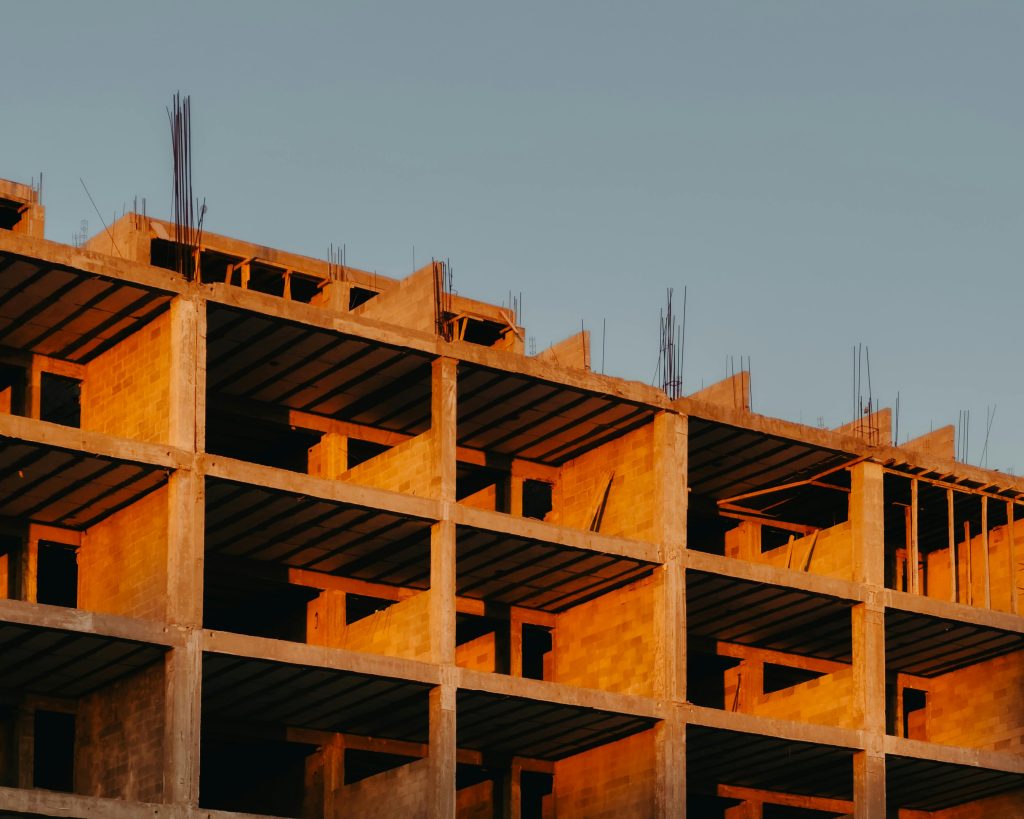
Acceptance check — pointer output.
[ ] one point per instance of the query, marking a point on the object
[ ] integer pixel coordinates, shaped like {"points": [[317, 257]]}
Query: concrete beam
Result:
{"points": [[770, 727], [87, 622]]}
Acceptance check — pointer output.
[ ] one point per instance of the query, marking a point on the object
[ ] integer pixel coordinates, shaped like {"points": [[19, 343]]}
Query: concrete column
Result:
{"points": [[185, 552], [670, 448], [867, 523], [442, 700]]}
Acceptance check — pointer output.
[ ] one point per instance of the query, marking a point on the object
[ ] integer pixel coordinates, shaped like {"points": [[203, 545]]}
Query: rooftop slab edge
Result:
{"points": [[513, 363], [87, 261]]}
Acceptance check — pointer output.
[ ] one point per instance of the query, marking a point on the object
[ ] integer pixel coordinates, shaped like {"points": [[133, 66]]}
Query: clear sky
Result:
{"points": [[817, 174]]}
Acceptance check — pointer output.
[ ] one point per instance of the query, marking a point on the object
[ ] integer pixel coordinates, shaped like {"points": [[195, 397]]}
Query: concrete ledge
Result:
{"points": [[87, 622], [531, 529], [340, 659], [45, 433], [954, 755], [774, 576], [947, 610], [268, 477], [559, 693], [775, 728]]}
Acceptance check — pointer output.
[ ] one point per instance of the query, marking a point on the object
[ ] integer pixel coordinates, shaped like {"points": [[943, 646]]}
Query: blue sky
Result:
{"points": [[817, 174]]}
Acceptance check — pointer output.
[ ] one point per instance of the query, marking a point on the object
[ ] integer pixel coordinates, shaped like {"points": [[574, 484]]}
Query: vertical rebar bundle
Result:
{"points": [[442, 298], [188, 229], [671, 349]]}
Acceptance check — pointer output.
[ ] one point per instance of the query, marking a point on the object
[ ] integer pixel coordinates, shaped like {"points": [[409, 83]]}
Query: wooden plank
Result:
{"points": [[953, 568], [1011, 535], [984, 552]]}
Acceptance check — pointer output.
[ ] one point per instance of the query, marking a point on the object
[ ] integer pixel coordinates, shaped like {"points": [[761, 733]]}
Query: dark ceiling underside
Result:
{"points": [[716, 757], [67, 314], [272, 361], [774, 617], [51, 662], [929, 786], [520, 572], [927, 646], [67, 488], [550, 423], [245, 521], [540, 730], [324, 699]]}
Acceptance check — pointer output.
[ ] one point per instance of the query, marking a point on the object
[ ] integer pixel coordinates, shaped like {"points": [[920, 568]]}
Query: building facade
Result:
{"points": [[283, 537]]}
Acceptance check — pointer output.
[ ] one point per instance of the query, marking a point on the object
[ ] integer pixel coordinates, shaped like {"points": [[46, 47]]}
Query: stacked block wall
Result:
{"points": [[325, 619], [980, 706], [329, 458], [608, 643], [410, 467], [126, 390], [1000, 571], [398, 792], [629, 512], [826, 700], [1008, 805], [475, 802], [122, 563], [410, 304], [478, 655], [400, 630], [607, 782], [832, 553], [119, 736]]}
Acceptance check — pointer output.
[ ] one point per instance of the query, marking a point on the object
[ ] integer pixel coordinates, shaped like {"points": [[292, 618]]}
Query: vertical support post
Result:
{"points": [[670, 442], [953, 568], [915, 553], [1011, 542], [867, 518], [443, 698], [984, 551], [969, 560], [185, 553]]}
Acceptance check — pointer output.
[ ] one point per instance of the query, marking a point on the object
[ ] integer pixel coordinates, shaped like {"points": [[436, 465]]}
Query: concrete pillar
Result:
{"points": [[442, 700], [868, 636], [185, 555], [670, 449], [867, 523]]}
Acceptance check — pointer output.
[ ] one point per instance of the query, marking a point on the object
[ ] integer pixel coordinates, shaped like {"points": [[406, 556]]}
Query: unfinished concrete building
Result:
{"points": [[272, 544]]}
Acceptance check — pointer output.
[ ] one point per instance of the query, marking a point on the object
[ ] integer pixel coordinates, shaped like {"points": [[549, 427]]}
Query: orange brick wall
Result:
{"points": [[408, 467], [119, 734], [475, 802], [122, 563], [981, 706], [486, 498], [832, 555], [410, 304], [608, 782], [126, 391], [329, 458], [398, 792], [630, 508], [401, 630], [937, 584], [479, 654], [826, 700], [1005, 806], [608, 643], [325, 619]]}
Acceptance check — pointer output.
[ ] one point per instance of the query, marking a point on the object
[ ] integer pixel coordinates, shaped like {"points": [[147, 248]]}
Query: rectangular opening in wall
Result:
{"points": [[12, 389], [360, 295], [914, 703], [535, 794], [537, 645], [537, 500], [57, 575], [53, 756], [265, 278], [11, 212], [60, 400], [303, 288]]}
